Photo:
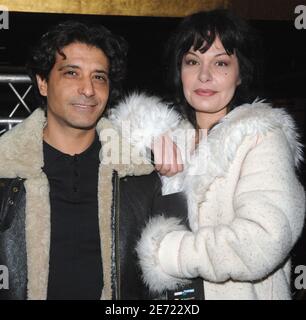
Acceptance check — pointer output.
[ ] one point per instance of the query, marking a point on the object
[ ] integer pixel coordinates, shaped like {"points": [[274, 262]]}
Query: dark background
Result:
{"points": [[284, 48], [283, 81]]}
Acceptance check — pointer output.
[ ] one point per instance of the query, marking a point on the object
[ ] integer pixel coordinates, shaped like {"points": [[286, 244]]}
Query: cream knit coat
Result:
{"points": [[245, 204]]}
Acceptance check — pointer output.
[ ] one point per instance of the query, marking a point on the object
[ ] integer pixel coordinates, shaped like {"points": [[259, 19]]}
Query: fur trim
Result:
{"points": [[141, 118], [37, 236], [136, 165], [215, 154], [119, 154], [105, 203], [147, 249], [21, 149], [21, 155], [259, 118]]}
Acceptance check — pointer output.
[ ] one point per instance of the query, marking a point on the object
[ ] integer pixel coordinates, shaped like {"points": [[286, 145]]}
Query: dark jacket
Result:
{"points": [[126, 197], [134, 200]]}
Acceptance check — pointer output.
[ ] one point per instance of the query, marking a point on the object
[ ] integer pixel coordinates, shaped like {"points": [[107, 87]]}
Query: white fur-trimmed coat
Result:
{"points": [[245, 204]]}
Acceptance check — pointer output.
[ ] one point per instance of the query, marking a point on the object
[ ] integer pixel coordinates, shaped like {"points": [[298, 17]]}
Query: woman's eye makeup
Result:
{"points": [[190, 60], [221, 63]]}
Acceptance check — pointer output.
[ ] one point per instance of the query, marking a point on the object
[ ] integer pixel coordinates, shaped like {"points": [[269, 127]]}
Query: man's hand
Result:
{"points": [[167, 156]]}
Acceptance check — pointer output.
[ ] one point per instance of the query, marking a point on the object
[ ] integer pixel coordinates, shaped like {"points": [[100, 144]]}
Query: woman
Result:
{"points": [[245, 203]]}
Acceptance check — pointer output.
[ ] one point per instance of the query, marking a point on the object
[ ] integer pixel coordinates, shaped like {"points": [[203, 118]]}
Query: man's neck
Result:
{"points": [[69, 140]]}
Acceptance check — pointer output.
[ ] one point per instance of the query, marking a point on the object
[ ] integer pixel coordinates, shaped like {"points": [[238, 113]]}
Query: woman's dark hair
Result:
{"points": [[114, 47], [200, 31]]}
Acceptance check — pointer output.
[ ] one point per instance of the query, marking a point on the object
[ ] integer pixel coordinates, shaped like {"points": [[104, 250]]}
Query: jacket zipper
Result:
{"points": [[118, 239], [116, 226]]}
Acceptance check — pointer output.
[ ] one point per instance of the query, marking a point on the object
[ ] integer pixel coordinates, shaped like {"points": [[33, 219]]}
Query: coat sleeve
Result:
{"points": [[269, 205]]}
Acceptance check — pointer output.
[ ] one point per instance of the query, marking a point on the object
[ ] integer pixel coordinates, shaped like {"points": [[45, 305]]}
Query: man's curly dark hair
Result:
{"points": [[113, 46]]}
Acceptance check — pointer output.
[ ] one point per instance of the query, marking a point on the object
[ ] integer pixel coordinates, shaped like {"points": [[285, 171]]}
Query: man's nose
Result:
{"points": [[86, 87]]}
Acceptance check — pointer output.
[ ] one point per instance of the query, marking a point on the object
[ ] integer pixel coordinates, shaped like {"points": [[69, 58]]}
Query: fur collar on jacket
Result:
{"points": [[21, 150], [218, 150], [21, 155]]}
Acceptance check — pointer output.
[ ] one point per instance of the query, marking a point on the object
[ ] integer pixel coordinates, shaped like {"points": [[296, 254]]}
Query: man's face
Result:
{"points": [[78, 87]]}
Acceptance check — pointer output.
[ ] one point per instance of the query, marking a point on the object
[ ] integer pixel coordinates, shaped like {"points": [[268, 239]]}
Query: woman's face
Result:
{"points": [[210, 79]]}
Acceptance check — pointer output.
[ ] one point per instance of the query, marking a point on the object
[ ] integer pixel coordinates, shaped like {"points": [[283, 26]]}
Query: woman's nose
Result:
{"points": [[205, 73]]}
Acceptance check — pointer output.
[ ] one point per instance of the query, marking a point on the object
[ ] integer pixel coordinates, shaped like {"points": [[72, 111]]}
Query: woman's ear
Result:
{"points": [[42, 85]]}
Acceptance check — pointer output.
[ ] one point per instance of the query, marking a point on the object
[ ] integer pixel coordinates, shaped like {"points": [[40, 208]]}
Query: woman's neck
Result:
{"points": [[207, 120]]}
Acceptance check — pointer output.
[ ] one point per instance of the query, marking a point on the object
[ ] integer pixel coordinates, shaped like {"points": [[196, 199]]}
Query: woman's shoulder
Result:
{"points": [[258, 119], [261, 116]]}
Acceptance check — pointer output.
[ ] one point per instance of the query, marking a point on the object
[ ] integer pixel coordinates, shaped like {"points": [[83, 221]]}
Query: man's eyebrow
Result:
{"points": [[101, 71], [73, 66]]}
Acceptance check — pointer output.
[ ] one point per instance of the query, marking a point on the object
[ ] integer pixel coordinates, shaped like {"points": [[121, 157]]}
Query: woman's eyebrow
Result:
{"points": [[221, 54]]}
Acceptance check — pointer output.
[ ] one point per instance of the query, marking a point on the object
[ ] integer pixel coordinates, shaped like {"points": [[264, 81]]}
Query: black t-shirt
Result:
{"points": [[75, 269]]}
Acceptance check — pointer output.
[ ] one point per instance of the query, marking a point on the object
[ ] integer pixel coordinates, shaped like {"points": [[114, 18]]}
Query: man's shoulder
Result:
{"points": [[21, 147]]}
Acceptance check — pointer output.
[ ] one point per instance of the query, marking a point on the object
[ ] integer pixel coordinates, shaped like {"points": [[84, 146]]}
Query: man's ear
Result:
{"points": [[42, 85]]}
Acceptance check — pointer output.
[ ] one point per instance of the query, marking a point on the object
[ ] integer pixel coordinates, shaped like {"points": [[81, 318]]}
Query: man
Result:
{"points": [[69, 223]]}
